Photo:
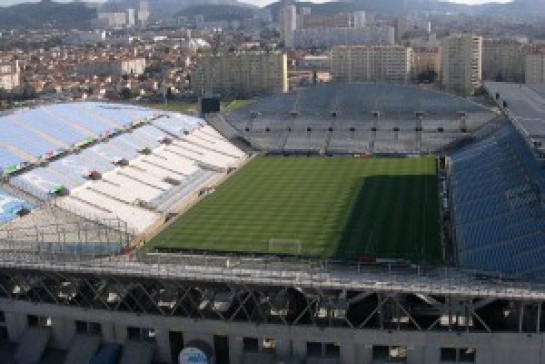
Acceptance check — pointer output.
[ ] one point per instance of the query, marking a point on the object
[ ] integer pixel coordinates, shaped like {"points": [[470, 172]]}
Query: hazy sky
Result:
{"points": [[260, 2]]}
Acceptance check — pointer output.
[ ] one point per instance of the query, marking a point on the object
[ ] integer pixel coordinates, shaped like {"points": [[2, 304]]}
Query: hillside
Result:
{"points": [[46, 14], [218, 12], [397, 7]]}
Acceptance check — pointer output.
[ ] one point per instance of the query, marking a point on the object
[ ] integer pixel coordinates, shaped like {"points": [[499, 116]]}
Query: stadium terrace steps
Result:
{"points": [[32, 345], [166, 202], [153, 171], [137, 218], [82, 349], [145, 178], [172, 161], [201, 143]]}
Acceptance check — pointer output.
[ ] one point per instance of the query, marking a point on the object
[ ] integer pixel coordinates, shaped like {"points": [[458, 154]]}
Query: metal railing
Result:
{"points": [[304, 273]]}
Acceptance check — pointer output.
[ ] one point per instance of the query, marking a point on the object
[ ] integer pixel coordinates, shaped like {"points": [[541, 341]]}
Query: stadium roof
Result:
{"points": [[525, 104]]}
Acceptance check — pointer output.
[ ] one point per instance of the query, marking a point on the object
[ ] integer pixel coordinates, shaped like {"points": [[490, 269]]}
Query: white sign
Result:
{"points": [[192, 356]]}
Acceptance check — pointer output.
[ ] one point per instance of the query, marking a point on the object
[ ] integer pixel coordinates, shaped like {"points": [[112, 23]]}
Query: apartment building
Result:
{"points": [[331, 37], [461, 69], [10, 76], [424, 60], [503, 59], [371, 63], [118, 67], [241, 74]]}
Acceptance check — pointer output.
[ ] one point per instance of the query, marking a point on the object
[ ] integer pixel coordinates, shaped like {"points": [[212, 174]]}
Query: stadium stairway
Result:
{"points": [[232, 134], [83, 349], [137, 352], [32, 345]]}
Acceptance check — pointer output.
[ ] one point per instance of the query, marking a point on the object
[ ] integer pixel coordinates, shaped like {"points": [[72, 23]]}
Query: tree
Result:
{"points": [[28, 93], [428, 76], [3, 94], [125, 93]]}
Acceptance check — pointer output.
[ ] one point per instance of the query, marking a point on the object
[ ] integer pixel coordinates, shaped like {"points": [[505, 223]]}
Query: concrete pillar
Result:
{"points": [[299, 349], [283, 348], [484, 356], [235, 349], [162, 346], [63, 331], [120, 334], [16, 323], [348, 353], [108, 333], [432, 354], [415, 355], [364, 354]]}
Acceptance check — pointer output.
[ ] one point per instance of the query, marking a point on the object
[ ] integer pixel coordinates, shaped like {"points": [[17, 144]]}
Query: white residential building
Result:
{"points": [[371, 63], [462, 63], [288, 24], [241, 74], [534, 66], [10, 76], [331, 37], [119, 67]]}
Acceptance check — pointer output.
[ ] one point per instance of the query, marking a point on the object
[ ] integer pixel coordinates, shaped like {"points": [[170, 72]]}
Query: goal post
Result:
{"points": [[285, 246]]}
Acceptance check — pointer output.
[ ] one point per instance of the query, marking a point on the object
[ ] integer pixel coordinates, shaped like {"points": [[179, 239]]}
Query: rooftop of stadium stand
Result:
{"points": [[525, 105]]}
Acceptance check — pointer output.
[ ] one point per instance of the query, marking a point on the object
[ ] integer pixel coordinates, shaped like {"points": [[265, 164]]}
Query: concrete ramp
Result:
{"points": [[83, 349], [32, 345], [137, 352]]}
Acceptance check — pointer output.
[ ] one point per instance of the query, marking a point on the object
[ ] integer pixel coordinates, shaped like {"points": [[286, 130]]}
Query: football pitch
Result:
{"points": [[337, 207]]}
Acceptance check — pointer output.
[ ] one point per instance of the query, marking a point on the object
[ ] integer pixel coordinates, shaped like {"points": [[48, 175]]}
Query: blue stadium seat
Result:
{"points": [[498, 212], [8, 159], [11, 207]]}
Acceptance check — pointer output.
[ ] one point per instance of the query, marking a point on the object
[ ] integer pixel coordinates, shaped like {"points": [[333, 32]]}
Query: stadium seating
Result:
{"points": [[496, 191], [8, 160], [177, 125], [30, 143], [49, 125], [38, 132], [11, 207], [138, 164], [359, 107]]}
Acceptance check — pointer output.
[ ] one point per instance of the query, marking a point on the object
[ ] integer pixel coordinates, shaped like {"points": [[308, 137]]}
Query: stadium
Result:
{"points": [[343, 223]]}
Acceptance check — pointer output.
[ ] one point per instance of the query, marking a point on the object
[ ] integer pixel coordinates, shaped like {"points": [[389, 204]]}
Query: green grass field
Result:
{"points": [[340, 207]]}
